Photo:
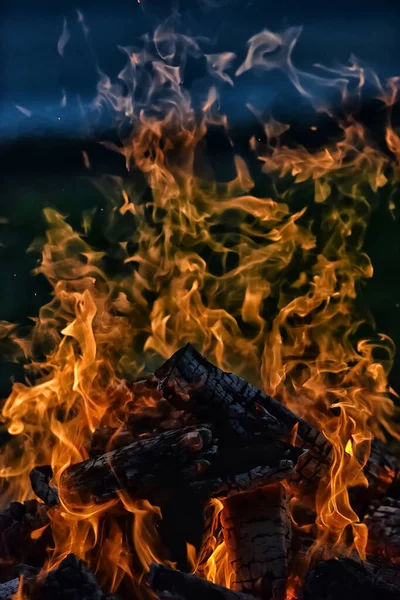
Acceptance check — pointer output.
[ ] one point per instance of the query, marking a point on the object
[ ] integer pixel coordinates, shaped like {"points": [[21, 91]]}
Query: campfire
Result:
{"points": [[206, 411]]}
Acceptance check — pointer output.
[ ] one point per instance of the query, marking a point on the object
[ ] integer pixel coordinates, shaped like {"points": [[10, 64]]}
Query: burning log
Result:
{"points": [[40, 478], [148, 464], [384, 529], [17, 524], [188, 458], [257, 533], [72, 580], [345, 579], [192, 383], [169, 584], [381, 471]]}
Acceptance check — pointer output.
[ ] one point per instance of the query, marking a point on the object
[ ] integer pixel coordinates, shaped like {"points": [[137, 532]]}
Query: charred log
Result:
{"points": [[381, 471], [192, 383], [17, 524], [142, 467], [174, 585], [257, 533], [72, 580], [384, 570], [188, 458], [40, 481], [9, 589], [345, 579], [384, 529]]}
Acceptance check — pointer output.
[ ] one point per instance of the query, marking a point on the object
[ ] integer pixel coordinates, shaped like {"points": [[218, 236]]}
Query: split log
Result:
{"points": [[190, 459], [192, 383], [384, 530], [169, 584], [257, 533], [16, 544], [72, 580], [345, 579]]}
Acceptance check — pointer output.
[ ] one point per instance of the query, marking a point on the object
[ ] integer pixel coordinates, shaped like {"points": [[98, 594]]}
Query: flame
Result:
{"points": [[257, 283], [349, 448]]}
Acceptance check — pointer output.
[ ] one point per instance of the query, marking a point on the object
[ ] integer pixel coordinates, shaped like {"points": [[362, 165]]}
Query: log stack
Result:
{"points": [[211, 436]]}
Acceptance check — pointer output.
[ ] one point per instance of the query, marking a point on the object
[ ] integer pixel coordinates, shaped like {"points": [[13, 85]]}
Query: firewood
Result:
{"points": [[169, 584], [147, 464], [71, 580], [257, 533], [16, 544], [40, 478], [192, 383], [384, 529], [188, 458], [345, 579], [384, 570], [9, 589], [381, 471]]}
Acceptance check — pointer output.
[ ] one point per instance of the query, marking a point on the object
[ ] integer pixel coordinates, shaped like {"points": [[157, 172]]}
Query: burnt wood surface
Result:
{"points": [[9, 589], [188, 458], [16, 544], [40, 481], [345, 579], [381, 471], [257, 533], [141, 466], [169, 584], [193, 383], [71, 580], [384, 529]]}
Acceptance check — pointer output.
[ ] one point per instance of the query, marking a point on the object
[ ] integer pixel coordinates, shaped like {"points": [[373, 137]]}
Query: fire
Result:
{"points": [[255, 282]]}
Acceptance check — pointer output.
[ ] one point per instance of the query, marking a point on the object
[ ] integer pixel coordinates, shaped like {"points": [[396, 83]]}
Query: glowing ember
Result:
{"points": [[255, 283]]}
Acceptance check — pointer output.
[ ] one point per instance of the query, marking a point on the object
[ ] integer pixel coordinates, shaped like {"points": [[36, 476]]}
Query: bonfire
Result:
{"points": [[204, 413]]}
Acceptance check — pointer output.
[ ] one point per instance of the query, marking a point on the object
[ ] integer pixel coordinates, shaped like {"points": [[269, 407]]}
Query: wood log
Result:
{"points": [[345, 579], [188, 458], [169, 584], [384, 570], [384, 530], [40, 481], [257, 533], [381, 471], [9, 589], [71, 580], [16, 544], [144, 466], [192, 383]]}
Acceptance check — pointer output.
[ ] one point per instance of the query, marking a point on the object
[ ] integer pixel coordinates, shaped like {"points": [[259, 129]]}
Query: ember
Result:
{"points": [[208, 418]]}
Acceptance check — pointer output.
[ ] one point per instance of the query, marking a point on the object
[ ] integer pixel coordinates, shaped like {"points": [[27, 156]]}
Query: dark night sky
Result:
{"points": [[33, 74]]}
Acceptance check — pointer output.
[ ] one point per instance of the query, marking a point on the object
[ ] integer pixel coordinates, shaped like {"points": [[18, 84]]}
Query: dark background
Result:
{"points": [[41, 156]]}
